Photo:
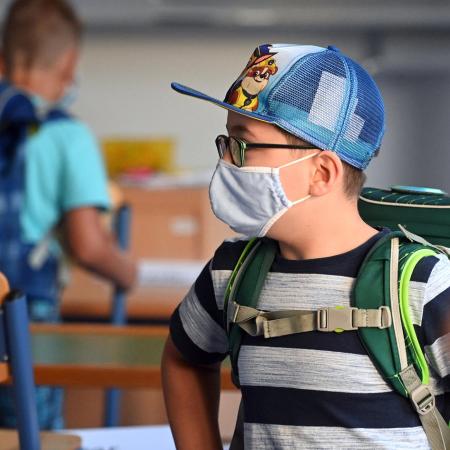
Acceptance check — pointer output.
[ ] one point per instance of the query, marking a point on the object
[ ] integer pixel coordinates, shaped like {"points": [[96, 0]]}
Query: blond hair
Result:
{"points": [[36, 32]]}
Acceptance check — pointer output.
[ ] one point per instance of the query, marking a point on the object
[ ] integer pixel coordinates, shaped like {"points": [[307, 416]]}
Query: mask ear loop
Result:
{"points": [[298, 160], [300, 200], [269, 224]]}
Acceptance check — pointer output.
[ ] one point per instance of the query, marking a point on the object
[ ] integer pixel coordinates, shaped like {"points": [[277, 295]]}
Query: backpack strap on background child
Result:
{"points": [[31, 266]]}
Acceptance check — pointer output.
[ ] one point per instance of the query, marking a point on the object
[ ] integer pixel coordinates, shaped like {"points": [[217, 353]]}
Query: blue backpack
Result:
{"points": [[27, 267]]}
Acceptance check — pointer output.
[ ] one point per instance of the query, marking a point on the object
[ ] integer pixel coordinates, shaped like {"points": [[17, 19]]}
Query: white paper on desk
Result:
{"points": [[176, 273], [125, 438], [157, 437]]}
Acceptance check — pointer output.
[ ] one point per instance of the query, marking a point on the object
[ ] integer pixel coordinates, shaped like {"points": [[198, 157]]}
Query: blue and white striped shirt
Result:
{"points": [[318, 390]]}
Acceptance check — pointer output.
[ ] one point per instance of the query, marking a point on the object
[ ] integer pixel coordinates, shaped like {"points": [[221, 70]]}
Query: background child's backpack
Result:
{"points": [[28, 267]]}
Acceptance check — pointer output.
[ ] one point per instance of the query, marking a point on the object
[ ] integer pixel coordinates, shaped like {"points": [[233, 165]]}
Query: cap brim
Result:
{"points": [[193, 93]]}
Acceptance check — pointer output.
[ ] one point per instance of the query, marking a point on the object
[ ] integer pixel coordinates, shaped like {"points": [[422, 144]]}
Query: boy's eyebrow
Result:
{"points": [[240, 129]]}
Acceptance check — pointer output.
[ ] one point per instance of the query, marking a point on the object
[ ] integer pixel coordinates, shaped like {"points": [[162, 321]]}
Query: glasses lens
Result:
{"points": [[221, 144], [236, 153]]}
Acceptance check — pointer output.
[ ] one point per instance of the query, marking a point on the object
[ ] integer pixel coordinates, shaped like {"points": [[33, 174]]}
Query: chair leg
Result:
{"points": [[19, 346], [118, 316], [112, 407]]}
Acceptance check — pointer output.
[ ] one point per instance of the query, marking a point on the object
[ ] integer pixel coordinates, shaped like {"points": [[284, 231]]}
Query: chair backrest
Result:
{"points": [[4, 366], [16, 343]]}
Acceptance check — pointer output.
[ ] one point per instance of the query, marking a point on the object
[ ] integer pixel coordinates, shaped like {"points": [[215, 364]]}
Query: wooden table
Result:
{"points": [[102, 356], [9, 440]]}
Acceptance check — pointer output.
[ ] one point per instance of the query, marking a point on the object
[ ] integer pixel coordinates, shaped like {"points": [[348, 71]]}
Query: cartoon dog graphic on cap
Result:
{"points": [[254, 78]]}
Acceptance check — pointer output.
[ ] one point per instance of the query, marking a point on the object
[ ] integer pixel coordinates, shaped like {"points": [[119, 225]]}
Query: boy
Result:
{"points": [[52, 172], [291, 169]]}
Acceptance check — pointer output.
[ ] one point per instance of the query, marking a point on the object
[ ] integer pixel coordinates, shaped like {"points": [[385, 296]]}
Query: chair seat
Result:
{"points": [[9, 440]]}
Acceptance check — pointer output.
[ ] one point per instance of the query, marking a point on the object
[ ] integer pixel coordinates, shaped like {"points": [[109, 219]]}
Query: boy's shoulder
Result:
{"points": [[227, 254], [431, 277], [63, 133], [430, 271], [64, 123]]}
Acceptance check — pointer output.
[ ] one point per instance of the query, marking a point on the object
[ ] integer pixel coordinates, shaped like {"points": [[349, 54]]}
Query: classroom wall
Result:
{"points": [[125, 91]]}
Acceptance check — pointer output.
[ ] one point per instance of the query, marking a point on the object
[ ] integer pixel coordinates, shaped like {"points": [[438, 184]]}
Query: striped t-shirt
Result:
{"points": [[318, 390]]}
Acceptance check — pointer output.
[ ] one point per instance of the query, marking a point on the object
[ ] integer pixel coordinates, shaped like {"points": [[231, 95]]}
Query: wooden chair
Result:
{"points": [[16, 368]]}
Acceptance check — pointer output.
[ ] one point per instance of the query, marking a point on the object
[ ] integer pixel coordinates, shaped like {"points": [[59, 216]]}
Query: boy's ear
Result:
{"points": [[327, 173]]}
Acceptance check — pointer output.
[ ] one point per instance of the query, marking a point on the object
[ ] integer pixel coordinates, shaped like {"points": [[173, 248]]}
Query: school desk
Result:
{"points": [[102, 356]]}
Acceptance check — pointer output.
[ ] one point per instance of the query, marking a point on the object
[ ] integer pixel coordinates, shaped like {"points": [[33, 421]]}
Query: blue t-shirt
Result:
{"points": [[63, 171]]}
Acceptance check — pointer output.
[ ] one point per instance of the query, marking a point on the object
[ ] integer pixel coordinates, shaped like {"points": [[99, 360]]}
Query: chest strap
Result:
{"points": [[281, 323]]}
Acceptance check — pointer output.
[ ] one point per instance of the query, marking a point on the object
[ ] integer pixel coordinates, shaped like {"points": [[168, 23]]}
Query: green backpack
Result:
{"points": [[379, 313], [423, 211]]}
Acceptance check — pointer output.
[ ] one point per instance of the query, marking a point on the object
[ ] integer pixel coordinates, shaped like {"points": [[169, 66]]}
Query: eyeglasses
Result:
{"points": [[237, 148]]}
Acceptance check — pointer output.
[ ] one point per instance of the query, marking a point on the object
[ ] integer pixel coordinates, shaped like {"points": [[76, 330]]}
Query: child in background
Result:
{"points": [[52, 173]]}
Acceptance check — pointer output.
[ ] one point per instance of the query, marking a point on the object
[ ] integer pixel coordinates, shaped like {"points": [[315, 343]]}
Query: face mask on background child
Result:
{"points": [[250, 199], [69, 97]]}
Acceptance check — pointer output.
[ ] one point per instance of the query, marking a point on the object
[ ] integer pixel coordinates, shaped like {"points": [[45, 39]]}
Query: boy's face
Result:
{"points": [[295, 178], [51, 80]]}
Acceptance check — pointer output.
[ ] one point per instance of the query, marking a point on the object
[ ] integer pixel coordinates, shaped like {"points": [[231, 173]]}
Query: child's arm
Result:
{"points": [[192, 397], [93, 247]]}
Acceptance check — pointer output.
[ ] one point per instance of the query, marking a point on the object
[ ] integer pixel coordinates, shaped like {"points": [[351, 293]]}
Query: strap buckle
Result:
{"points": [[385, 317], [241, 313], [233, 311], [336, 319], [422, 399]]}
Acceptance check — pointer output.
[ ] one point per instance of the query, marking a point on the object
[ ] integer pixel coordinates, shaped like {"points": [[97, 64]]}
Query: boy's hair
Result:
{"points": [[36, 32], [354, 178]]}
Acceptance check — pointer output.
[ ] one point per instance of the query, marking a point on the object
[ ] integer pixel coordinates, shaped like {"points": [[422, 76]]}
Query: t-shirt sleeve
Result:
{"points": [[196, 326], [84, 180], [435, 325]]}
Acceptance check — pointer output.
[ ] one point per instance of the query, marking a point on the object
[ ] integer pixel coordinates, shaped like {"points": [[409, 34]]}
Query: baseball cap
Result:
{"points": [[317, 94]]}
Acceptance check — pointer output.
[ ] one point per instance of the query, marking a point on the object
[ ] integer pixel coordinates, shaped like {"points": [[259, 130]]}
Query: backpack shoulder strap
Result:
{"points": [[244, 288], [392, 261], [415, 377], [377, 285]]}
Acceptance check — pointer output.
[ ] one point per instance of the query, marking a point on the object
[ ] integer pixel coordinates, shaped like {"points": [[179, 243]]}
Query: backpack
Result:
{"points": [[379, 314], [29, 267], [423, 211]]}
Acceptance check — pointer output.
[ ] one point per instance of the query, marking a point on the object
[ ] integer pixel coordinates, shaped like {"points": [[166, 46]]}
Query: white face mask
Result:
{"points": [[64, 102], [70, 95], [250, 199]]}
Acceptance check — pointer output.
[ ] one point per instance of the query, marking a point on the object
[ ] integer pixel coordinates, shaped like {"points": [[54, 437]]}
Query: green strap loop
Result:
{"points": [[405, 280], [248, 248], [246, 287]]}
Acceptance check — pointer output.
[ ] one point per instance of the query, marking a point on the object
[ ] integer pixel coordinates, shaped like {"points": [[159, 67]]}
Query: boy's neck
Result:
{"points": [[337, 234], [31, 84]]}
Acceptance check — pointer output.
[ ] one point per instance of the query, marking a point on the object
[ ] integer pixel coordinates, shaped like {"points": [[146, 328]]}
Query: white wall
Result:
{"points": [[125, 91]]}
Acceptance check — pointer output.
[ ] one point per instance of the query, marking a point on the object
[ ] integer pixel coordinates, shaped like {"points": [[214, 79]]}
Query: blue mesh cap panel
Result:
{"points": [[303, 78], [310, 98], [330, 101], [370, 107], [364, 127]]}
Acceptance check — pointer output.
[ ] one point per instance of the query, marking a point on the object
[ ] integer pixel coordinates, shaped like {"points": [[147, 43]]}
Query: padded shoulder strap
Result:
{"points": [[245, 287], [375, 286]]}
